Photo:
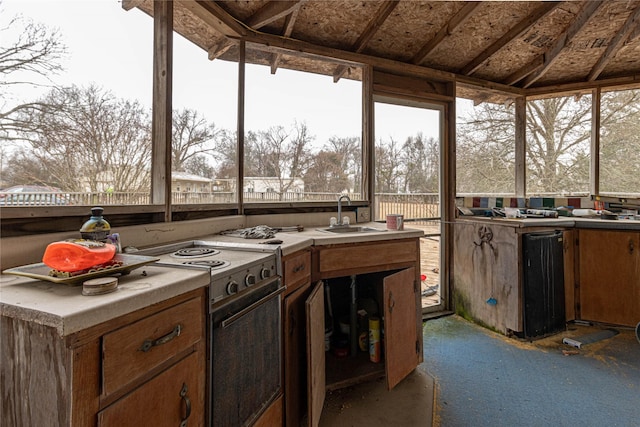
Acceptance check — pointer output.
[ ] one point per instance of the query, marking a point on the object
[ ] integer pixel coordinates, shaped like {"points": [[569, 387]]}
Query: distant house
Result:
{"points": [[272, 185], [182, 182]]}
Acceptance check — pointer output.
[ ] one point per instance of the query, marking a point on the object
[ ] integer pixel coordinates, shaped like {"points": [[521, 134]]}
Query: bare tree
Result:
{"points": [[86, 139], [278, 153], [388, 167], [420, 158], [326, 174], [192, 139], [349, 151], [485, 155], [29, 55]]}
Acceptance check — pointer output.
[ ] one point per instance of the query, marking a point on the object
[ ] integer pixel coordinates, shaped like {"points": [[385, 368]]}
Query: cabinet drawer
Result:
{"points": [[173, 396], [366, 257], [297, 270], [130, 352]]}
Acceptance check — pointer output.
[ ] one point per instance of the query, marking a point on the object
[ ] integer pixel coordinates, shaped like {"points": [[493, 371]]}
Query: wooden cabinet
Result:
{"points": [[489, 270], [297, 280], [609, 276], [391, 268], [145, 368]]}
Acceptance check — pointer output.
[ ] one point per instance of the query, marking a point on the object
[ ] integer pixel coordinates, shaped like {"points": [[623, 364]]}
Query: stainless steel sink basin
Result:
{"points": [[348, 230]]}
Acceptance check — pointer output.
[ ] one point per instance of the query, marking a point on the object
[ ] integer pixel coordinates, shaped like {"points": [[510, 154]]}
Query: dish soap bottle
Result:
{"points": [[96, 228]]}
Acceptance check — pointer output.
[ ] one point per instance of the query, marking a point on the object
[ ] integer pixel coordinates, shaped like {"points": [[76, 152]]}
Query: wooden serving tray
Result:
{"points": [[41, 271]]}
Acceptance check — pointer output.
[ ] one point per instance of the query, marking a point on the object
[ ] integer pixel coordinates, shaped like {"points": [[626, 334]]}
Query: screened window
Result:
{"points": [[485, 148], [558, 145], [302, 135], [204, 131], [620, 143], [90, 137]]}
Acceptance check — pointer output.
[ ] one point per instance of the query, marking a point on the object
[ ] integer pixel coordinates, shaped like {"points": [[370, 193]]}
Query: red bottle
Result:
{"points": [[75, 255]]}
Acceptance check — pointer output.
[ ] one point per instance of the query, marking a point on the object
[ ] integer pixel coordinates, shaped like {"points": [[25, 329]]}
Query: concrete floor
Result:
{"points": [[474, 377], [370, 404]]}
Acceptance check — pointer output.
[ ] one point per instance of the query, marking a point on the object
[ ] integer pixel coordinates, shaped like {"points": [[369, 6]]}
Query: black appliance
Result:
{"points": [[245, 324], [543, 283]]}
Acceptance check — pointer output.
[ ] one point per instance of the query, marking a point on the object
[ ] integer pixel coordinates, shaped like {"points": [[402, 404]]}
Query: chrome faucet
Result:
{"points": [[339, 223]]}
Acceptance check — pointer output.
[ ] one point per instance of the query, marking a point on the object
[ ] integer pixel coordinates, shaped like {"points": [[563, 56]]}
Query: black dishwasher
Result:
{"points": [[543, 284]]}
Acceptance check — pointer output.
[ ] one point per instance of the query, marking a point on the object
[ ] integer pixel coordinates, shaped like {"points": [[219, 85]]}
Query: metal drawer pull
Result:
{"points": [[187, 402], [229, 321], [149, 344], [298, 268]]}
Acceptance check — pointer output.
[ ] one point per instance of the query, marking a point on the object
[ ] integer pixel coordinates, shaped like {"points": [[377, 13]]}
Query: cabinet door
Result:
{"points": [[173, 396], [400, 326], [315, 354], [295, 355], [609, 280]]}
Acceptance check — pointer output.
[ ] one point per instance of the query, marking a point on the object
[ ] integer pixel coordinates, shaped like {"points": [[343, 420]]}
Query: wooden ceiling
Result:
{"points": [[514, 47]]}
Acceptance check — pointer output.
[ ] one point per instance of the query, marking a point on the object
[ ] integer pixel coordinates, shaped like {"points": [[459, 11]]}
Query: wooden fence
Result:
{"points": [[412, 206]]}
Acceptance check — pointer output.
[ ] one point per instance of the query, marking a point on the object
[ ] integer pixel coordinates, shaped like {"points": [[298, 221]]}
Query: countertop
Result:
{"points": [[293, 241], [564, 222], [64, 308]]}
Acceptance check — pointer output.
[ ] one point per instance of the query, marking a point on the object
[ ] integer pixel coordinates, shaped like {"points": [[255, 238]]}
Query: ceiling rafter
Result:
{"points": [[458, 19], [523, 72], [214, 16], [372, 27], [289, 23], [220, 49], [615, 44], [588, 9], [270, 12], [519, 29]]}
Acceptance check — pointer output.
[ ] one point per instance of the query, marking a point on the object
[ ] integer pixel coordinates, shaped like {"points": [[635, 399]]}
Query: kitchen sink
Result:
{"points": [[349, 229]]}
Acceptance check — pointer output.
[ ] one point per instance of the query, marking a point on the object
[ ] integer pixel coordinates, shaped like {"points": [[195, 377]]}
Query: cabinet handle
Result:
{"points": [[631, 247], [298, 268], [187, 404], [149, 344], [392, 302]]}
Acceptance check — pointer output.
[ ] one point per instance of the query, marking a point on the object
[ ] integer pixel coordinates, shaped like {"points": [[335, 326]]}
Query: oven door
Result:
{"points": [[246, 355]]}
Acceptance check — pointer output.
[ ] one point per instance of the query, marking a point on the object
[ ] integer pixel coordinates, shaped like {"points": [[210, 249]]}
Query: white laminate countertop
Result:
{"points": [[64, 308], [565, 222], [293, 241]]}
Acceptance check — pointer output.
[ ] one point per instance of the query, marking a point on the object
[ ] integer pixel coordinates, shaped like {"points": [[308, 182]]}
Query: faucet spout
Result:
{"points": [[344, 196]]}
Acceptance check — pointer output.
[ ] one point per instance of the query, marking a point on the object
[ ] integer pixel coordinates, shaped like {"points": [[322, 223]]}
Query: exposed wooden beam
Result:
{"points": [[381, 15], [634, 33], [220, 49], [524, 71], [289, 24], [457, 20], [130, 4], [582, 17], [270, 12], [615, 44], [214, 16], [281, 44], [519, 29]]}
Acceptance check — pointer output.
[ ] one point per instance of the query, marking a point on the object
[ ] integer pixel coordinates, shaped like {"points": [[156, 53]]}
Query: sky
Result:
{"points": [[113, 48]]}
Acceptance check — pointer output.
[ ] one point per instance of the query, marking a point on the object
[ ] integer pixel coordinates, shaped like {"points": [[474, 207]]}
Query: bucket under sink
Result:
{"points": [[350, 229]]}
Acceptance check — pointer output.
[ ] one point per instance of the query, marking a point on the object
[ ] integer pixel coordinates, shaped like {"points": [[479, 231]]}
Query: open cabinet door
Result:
{"points": [[400, 326], [315, 354]]}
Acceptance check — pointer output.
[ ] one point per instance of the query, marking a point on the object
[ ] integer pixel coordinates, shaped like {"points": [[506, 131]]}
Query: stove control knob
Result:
{"points": [[250, 280], [264, 273], [232, 287]]}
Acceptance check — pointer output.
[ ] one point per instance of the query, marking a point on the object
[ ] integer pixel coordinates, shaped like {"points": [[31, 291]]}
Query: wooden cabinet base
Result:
{"points": [[273, 416]]}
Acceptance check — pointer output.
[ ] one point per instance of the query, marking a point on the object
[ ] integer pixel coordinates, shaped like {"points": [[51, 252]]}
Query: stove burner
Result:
{"points": [[194, 253], [208, 263]]}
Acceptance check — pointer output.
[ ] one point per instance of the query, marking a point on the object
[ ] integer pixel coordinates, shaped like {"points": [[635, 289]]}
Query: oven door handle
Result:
{"points": [[231, 319]]}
